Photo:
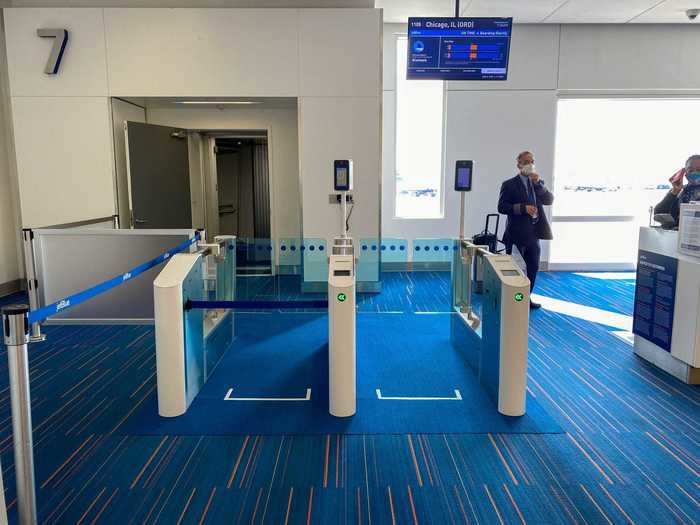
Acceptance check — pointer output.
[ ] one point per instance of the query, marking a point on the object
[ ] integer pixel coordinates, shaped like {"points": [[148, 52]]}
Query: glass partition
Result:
{"points": [[289, 256], [315, 256], [394, 254], [458, 272], [218, 323], [208, 332], [254, 256], [368, 253], [301, 265], [433, 250], [226, 270]]}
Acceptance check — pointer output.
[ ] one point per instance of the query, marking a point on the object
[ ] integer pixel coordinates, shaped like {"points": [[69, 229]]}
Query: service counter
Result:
{"points": [[667, 305]]}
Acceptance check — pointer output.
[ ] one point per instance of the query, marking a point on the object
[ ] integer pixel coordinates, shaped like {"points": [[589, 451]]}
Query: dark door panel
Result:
{"points": [[159, 178]]}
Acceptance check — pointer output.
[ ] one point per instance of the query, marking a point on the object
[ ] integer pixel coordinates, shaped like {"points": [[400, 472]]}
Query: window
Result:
{"points": [[613, 161], [419, 117]]}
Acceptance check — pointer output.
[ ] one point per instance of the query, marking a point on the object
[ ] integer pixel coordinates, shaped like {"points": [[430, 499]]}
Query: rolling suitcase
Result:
{"points": [[485, 238]]}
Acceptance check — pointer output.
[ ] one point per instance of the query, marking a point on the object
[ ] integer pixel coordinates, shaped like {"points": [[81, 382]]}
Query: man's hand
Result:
{"points": [[677, 187], [534, 178], [531, 210]]}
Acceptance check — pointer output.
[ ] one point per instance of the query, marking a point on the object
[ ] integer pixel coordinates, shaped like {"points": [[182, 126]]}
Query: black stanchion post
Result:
{"points": [[15, 322]]}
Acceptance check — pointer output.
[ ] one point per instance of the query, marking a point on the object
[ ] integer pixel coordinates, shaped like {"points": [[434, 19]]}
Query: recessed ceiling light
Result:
{"points": [[219, 102]]}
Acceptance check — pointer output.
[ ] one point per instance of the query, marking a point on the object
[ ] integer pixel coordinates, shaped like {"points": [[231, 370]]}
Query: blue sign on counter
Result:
{"points": [[654, 298]]}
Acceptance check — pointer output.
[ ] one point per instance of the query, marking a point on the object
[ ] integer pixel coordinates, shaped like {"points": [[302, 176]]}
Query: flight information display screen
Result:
{"points": [[458, 48]]}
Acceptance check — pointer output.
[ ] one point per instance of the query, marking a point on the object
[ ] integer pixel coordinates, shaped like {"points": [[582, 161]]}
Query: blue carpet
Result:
{"points": [[630, 451], [614, 295], [281, 355]]}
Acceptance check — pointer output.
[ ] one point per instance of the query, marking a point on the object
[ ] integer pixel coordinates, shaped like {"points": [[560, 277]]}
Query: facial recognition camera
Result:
{"points": [[692, 14], [342, 175], [464, 169]]}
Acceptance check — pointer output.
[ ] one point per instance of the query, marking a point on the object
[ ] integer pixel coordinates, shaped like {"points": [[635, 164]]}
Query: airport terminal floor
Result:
{"points": [[608, 438]]}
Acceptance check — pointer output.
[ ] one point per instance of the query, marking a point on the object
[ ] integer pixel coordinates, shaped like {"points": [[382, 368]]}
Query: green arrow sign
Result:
{"points": [[342, 297], [518, 297]]}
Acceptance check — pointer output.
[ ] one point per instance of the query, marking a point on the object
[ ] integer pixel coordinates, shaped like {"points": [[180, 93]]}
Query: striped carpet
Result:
{"points": [[630, 452]]}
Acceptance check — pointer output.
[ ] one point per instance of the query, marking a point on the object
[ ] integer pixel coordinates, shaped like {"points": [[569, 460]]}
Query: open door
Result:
{"points": [[159, 179], [243, 194]]}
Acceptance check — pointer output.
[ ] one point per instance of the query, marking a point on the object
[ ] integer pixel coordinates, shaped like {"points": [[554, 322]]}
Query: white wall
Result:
{"points": [[508, 122], [492, 122], [629, 58], [9, 208], [9, 231], [340, 117], [64, 159], [281, 124], [320, 56], [356, 137], [62, 125], [83, 71], [216, 52]]}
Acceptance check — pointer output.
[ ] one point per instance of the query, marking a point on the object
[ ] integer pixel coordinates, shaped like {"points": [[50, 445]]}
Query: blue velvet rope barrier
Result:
{"points": [[255, 305], [80, 297]]}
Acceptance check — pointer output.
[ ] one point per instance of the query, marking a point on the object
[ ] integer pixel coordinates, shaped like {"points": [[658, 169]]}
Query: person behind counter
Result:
{"points": [[671, 203]]}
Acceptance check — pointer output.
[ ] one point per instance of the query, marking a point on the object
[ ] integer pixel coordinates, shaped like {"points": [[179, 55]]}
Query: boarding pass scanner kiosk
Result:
{"points": [[505, 319], [341, 307], [495, 344], [341, 334]]}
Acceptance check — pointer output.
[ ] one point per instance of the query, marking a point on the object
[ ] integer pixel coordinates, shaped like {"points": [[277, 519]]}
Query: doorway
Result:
{"points": [[195, 139], [243, 195], [220, 180]]}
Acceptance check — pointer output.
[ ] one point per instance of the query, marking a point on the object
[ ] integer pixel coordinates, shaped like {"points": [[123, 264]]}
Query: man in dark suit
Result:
{"points": [[522, 199]]}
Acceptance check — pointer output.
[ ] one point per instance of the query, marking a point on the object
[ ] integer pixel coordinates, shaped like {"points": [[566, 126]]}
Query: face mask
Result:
{"points": [[693, 177], [528, 169]]}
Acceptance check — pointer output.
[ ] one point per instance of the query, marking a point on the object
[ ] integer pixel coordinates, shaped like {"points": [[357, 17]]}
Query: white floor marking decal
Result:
{"points": [[230, 391], [458, 397]]}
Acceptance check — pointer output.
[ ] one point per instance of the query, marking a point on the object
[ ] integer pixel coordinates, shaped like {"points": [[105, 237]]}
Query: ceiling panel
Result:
{"points": [[401, 10], [192, 3], [548, 11], [669, 12], [599, 11], [531, 11]]}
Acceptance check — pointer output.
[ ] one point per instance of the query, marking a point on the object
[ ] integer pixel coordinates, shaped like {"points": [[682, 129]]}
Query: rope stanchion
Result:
{"points": [[16, 321], [16, 329], [74, 300], [255, 305]]}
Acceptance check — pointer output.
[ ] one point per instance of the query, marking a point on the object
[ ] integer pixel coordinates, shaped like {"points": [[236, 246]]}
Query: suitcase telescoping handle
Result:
{"points": [[488, 221]]}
